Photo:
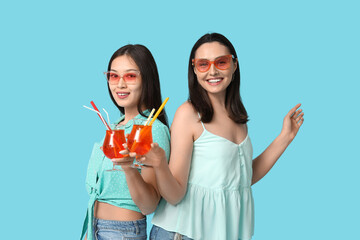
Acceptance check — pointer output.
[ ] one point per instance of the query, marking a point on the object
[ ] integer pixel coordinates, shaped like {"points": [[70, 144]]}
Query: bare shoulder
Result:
{"points": [[186, 108], [186, 112], [186, 119]]}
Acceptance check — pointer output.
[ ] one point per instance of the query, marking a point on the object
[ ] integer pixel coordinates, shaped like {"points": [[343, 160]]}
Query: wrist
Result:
{"points": [[128, 170], [162, 164], [285, 138]]}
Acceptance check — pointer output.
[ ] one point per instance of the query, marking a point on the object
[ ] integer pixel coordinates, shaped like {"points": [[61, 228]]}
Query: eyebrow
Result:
{"points": [[213, 58], [128, 70]]}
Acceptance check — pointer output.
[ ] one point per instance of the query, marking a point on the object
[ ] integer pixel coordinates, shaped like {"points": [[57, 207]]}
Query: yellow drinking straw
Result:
{"points": [[159, 111]]}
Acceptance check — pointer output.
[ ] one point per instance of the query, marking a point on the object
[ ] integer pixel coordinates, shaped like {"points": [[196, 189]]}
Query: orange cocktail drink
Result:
{"points": [[113, 143], [140, 139]]}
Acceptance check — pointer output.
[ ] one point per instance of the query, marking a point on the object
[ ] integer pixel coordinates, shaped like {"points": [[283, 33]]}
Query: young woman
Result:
{"points": [[119, 200], [206, 187]]}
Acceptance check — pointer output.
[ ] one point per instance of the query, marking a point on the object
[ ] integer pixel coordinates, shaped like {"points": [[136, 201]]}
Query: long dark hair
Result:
{"points": [[199, 97], [150, 93]]}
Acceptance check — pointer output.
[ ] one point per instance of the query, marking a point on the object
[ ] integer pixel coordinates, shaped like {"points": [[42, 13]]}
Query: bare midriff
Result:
{"points": [[109, 212]]}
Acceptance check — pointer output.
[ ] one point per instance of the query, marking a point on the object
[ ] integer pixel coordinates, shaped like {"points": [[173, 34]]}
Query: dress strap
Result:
{"points": [[201, 121]]}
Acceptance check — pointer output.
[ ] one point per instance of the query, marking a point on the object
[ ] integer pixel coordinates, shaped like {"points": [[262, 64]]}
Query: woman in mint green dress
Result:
{"points": [[206, 187], [119, 200]]}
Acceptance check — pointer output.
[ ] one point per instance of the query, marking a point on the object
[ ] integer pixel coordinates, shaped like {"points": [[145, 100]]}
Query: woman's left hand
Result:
{"points": [[126, 161], [292, 122]]}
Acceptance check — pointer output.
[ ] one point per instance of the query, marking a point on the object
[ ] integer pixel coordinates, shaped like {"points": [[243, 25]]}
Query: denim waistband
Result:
{"points": [[124, 226]]}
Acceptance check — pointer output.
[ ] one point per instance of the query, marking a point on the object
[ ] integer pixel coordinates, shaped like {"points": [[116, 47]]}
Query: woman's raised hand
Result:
{"points": [[292, 122]]}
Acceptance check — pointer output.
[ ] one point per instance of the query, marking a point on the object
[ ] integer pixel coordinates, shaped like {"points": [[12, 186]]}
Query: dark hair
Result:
{"points": [[150, 93], [199, 97]]}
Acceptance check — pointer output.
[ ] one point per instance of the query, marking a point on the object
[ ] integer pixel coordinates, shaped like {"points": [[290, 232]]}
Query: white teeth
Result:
{"points": [[123, 94], [214, 80]]}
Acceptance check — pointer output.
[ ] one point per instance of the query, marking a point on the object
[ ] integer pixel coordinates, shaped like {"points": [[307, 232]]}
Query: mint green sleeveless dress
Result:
{"points": [[218, 203]]}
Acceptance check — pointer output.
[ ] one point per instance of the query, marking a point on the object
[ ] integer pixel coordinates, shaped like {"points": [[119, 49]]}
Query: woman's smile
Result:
{"points": [[122, 95], [214, 81]]}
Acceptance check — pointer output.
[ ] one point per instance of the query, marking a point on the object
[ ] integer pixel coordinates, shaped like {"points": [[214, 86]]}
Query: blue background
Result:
{"points": [[52, 58]]}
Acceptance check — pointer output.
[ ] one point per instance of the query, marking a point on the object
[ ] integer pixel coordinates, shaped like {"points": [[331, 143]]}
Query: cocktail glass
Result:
{"points": [[113, 144], [140, 139]]}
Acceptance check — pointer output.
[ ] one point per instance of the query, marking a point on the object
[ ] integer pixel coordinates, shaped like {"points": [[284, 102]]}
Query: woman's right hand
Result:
{"points": [[155, 157]]}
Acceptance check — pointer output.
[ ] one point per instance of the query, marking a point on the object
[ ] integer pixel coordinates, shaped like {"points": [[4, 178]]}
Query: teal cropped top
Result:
{"points": [[111, 187]]}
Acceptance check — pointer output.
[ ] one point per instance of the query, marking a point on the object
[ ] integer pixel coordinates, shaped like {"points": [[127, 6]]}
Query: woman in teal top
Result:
{"points": [[206, 187], [119, 200]]}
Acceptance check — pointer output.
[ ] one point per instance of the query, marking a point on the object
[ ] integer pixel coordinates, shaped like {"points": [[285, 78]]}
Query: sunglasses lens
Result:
{"points": [[112, 77], [222, 63], [202, 65], [130, 77]]}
